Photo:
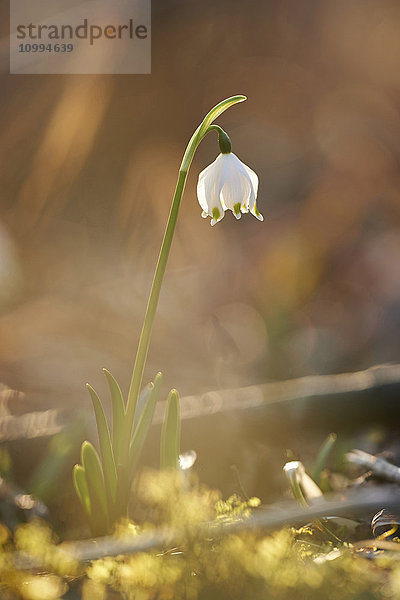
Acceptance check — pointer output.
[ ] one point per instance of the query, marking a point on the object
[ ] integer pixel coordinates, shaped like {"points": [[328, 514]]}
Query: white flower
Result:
{"points": [[227, 184]]}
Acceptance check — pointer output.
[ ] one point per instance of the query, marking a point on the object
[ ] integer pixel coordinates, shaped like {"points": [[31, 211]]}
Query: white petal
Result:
{"points": [[201, 196], [235, 184], [252, 206], [254, 211], [201, 192], [236, 192], [253, 178], [216, 217], [208, 188]]}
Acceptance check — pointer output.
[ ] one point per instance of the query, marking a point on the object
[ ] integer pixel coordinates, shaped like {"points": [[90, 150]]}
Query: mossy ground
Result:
{"points": [[289, 564]]}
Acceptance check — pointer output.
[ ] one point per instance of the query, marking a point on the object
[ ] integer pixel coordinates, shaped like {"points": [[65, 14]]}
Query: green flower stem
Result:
{"points": [[145, 336]]}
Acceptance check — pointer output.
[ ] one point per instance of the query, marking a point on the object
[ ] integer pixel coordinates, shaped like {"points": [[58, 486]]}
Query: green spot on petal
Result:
{"points": [[236, 208], [216, 213]]}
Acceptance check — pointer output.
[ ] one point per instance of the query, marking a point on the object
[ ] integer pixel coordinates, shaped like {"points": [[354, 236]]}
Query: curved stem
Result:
{"points": [[223, 139]]}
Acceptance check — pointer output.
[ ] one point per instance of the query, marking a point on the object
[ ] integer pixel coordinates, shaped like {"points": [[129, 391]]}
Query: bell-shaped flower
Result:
{"points": [[227, 184]]}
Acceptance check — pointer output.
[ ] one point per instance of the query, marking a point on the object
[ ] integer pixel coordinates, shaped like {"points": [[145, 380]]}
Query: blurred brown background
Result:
{"points": [[88, 168]]}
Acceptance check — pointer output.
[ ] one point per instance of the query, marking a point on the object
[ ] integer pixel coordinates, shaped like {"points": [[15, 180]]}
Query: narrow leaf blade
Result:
{"points": [[110, 472], [96, 487], [81, 488], [118, 413], [144, 424], [323, 456]]}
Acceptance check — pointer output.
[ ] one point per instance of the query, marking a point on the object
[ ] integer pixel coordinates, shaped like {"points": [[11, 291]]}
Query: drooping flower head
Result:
{"points": [[227, 184]]}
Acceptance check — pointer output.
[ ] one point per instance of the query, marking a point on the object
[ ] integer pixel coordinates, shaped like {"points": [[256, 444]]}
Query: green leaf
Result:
{"points": [[170, 434], [96, 487], [322, 457], [109, 469], [118, 413], [217, 111], [81, 488], [144, 424]]}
